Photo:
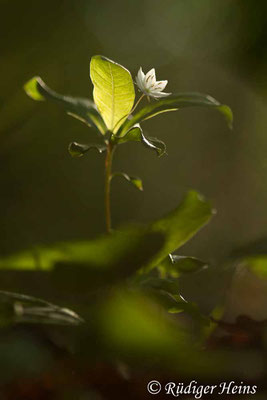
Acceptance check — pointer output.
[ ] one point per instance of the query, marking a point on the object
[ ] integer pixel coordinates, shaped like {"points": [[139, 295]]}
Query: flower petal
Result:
{"points": [[140, 78], [157, 94], [150, 79], [160, 85], [152, 72], [141, 74]]}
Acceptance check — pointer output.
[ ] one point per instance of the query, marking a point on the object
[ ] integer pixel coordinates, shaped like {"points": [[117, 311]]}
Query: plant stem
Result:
{"points": [[108, 174], [108, 166], [136, 104]]}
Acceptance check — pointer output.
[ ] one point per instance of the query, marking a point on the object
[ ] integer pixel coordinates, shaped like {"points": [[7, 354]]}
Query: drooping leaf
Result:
{"points": [[78, 150], [180, 225], [175, 265], [168, 285], [185, 264], [136, 134], [17, 308], [166, 292], [80, 108], [134, 180], [173, 103], [189, 308], [114, 92]]}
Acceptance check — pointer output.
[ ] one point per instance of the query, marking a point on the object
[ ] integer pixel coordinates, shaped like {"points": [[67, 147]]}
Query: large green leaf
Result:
{"points": [[114, 92], [126, 251], [180, 225], [80, 108], [109, 257], [175, 102]]}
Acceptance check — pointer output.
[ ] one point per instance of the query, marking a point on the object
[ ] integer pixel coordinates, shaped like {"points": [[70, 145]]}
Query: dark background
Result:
{"points": [[213, 46]]}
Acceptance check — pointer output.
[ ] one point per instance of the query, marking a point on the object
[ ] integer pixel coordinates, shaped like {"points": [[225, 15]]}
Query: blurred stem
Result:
{"points": [[108, 167]]}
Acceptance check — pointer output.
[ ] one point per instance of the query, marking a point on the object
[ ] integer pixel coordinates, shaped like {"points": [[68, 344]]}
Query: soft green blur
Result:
{"points": [[210, 46]]}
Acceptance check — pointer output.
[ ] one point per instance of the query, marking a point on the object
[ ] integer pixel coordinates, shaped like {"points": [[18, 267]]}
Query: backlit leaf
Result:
{"points": [[114, 92], [173, 103], [180, 225]]}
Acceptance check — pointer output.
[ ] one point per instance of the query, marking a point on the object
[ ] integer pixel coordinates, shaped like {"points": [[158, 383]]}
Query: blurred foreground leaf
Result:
{"points": [[131, 320], [258, 265], [122, 253], [254, 255], [109, 257], [180, 225]]}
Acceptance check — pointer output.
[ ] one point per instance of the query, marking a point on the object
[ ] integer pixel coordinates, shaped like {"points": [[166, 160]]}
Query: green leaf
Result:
{"points": [[18, 308], [135, 134], [173, 103], [168, 285], [189, 308], [175, 265], [78, 150], [107, 258], [131, 321], [124, 252], [258, 265], [180, 225], [185, 264], [33, 88], [114, 92], [157, 289], [137, 182], [80, 108]]}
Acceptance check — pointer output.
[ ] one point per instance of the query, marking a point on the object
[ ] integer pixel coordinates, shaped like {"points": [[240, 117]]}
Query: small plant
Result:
{"points": [[139, 258], [121, 288], [116, 114]]}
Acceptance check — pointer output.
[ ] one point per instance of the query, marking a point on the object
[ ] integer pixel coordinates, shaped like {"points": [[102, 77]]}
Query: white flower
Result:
{"points": [[149, 86]]}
